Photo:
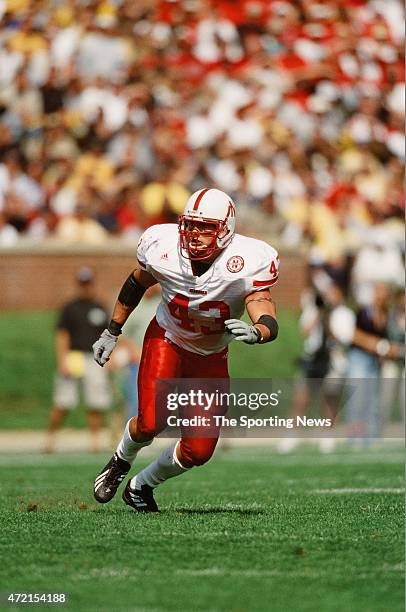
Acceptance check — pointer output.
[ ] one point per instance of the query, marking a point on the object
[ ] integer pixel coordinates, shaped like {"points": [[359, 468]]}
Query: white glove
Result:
{"points": [[103, 347], [242, 331]]}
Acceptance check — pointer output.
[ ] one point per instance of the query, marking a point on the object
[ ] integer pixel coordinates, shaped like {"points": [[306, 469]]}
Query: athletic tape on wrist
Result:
{"points": [[114, 328]]}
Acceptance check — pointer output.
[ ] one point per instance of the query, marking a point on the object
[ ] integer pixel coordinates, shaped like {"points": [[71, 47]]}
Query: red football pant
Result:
{"points": [[162, 359]]}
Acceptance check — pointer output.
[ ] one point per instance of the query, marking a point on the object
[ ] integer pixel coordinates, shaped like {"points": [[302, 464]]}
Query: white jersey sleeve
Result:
{"points": [[147, 244], [263, 269]]}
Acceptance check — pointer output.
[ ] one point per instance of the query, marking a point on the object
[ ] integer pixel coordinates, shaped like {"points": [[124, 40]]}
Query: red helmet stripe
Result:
{"points": [[230, 211], [199, 198]]}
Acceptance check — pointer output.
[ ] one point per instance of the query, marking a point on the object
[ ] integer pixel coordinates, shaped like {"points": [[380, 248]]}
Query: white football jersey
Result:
{"points": [[193, 308]]}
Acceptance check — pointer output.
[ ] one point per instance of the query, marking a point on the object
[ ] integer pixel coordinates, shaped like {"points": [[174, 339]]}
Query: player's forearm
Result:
{"points": [[120, 315], [130, 295], [262, 311]]}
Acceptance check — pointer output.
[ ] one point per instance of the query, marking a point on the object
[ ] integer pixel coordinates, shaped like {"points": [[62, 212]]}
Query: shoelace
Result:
{"points": [[116, 473]]}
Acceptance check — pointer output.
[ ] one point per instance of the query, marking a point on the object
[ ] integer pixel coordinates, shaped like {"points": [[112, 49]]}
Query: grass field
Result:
{"points": [[250, 531], [27, 365]]}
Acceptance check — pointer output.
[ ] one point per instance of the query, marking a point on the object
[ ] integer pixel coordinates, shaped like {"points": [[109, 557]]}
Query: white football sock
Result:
{"points": [[127, 448], [167, 465]]}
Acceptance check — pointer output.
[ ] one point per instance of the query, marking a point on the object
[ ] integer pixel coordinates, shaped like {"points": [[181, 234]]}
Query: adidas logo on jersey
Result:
{"points": [[164, 256]]}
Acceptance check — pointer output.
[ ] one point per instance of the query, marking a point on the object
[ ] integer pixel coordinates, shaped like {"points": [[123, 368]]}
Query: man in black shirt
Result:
{"points": [[80, 323]]}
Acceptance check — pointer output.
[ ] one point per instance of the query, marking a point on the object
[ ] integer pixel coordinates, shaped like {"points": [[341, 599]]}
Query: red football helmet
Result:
{"points": [[214, 208]]}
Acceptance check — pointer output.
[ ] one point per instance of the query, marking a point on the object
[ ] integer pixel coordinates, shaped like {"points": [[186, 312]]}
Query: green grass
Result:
{"points": [[27, 365], [247, 532]]}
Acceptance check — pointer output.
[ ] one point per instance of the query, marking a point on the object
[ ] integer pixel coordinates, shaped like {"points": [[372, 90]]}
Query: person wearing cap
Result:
{"points": [[80, 322]]}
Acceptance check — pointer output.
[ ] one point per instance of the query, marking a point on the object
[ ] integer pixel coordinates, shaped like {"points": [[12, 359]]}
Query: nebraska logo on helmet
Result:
{"points": [[214, 208], [235, 263]]}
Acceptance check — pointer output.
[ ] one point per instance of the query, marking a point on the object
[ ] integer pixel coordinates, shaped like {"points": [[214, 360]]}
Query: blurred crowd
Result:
{"points": [[112, 112]]}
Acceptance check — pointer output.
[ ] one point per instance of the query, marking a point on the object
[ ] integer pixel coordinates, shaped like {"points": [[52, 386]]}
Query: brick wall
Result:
{"points": [[44, 278]]}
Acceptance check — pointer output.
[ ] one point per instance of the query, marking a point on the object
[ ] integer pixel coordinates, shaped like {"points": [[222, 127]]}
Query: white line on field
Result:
{"points": [[223, 572], [355, 458], [252, 573], [358, 490]]}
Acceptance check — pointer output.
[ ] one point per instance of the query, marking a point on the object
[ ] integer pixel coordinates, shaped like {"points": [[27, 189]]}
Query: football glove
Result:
{"points": [[103, 347], [242, 331]]}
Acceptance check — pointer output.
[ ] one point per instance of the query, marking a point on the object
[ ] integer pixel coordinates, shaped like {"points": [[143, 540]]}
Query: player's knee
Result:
{"points": [[140, 430], [194, 456], [144, 433], [200, 458]]}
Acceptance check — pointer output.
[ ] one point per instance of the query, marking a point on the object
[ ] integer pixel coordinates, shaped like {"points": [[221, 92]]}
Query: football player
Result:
{"points": [[208, 275]]}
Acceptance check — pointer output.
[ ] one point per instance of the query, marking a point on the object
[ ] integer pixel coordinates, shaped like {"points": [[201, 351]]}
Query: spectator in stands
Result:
{"points": [[81, 228], [280, 103], [80, 323], [8, 233], [163, 200]]}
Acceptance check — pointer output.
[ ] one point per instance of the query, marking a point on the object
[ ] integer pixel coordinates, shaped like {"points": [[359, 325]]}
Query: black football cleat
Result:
{"points": [[141, 500], [109, 479]]}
